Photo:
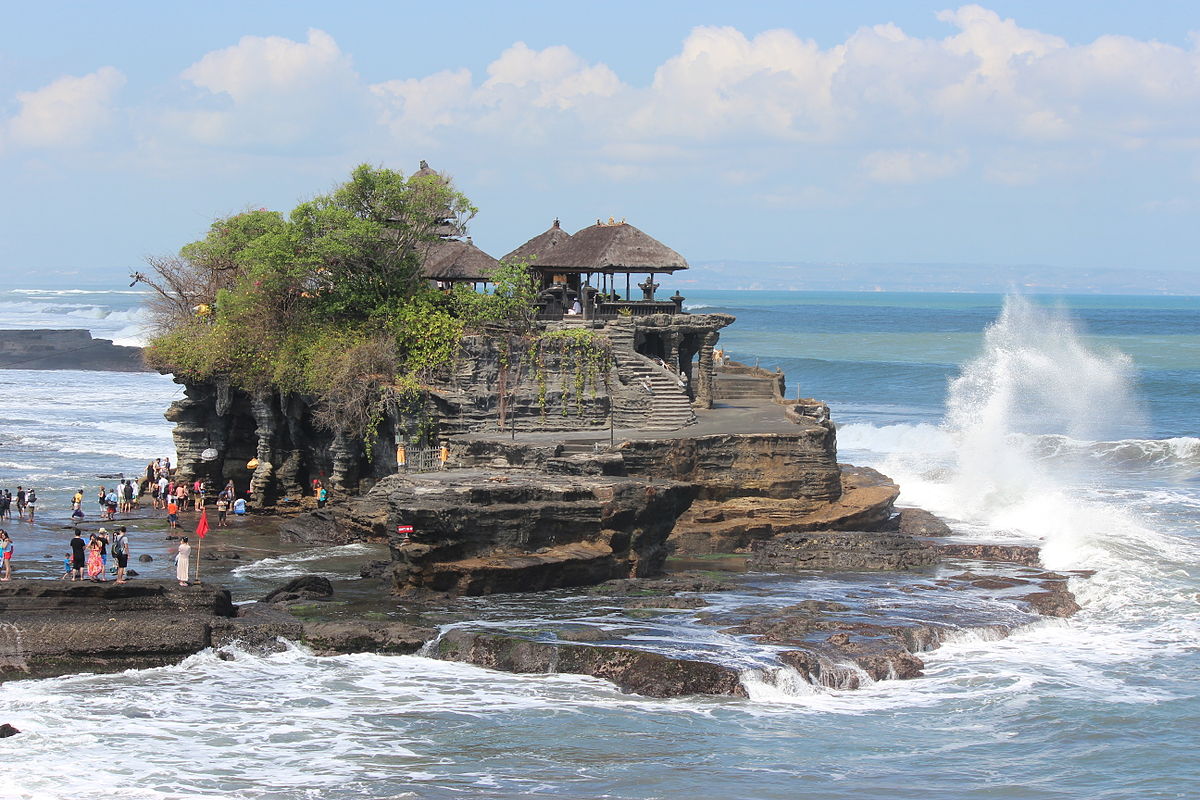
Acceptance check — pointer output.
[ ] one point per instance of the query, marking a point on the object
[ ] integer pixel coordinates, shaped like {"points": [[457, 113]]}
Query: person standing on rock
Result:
{"points": [[6, 551], [120, 550], [222, 510], [182, 557], [78, 549], [95, 566]]}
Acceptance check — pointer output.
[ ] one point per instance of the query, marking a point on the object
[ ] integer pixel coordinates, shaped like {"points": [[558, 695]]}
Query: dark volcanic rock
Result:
{"points": [[919, 522], [637, 671], [1055, 601], [56, 627], [306, 587], [7, 730], [841, 550], [365, 636], [319, 528], [1008, 553], [145, 558], [66, 349]]}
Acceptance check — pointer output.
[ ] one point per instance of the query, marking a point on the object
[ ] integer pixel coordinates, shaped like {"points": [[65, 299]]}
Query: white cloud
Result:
{"points": [[272, 91], [912, 166], [67, 113]]}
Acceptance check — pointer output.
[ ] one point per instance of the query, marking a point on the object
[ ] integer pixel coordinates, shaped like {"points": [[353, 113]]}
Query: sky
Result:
{"points": [[1064, 134]]}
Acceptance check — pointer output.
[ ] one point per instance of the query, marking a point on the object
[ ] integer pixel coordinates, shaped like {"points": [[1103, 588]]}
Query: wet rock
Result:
{"points": [[145, 558], [841, 550], [919, 522], [258, 628], [306, 587], [374, 569], [666, 585], [319, 528], [7, 730], [667, 602], [365, 636], [1055, 601], [636, 671], [1008, 553], [58, 627]]}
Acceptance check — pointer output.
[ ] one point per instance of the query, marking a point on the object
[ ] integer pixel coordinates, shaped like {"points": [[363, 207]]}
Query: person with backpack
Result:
{"points": [[120, 551]]}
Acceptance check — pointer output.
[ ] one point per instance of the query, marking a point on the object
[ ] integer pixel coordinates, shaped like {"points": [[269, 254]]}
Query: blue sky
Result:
{"points": [[1065, 133]]}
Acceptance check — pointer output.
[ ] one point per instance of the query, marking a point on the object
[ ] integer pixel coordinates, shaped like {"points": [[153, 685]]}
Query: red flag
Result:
{"points": [[202, 525]]}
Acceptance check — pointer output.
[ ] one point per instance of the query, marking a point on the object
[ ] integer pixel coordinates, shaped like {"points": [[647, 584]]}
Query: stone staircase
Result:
{"points": [[743, 387], [649, 397]]}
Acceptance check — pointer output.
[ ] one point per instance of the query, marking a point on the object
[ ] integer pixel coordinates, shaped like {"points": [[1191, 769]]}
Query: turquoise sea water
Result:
{"points": [[1072, 423]]}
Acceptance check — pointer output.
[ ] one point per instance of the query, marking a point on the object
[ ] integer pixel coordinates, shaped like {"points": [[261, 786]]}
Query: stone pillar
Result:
{"points": [[262, 482], [706, 372]]}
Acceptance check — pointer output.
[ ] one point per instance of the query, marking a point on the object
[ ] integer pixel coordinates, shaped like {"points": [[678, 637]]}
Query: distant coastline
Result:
{"points": [[732, 275], [72, 348]]}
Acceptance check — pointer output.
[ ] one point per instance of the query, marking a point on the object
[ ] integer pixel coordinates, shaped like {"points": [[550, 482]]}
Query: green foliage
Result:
{"points": [[508, 303], [581, 356], [327, 301]]}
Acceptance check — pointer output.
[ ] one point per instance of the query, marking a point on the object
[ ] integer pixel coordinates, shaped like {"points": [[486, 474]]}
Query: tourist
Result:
{"points": [[182, 556], [6, 504], [120, 549], [222, 510], [21, 503], [239, 506], [31, 503], [173, 513], [102, 501], [111, 502], [181, 497], [95, 565], [163, 485], [77, 501], [102, 537], [78, 555], [68, 567], [322, 496], [6, 551]]}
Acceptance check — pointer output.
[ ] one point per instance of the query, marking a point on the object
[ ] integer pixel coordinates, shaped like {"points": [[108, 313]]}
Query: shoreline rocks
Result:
{"points": [[66, 349]]}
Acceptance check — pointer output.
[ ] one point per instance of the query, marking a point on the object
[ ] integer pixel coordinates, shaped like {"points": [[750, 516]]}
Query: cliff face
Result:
{"points": [[276, 430], [527, 517]]}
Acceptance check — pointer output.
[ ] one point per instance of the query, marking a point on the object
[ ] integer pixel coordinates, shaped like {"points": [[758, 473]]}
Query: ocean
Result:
{"points": [[1069, 422]]}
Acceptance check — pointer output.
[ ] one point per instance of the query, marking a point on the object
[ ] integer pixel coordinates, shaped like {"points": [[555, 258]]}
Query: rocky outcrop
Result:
{"points": [[735, 524], [841, 550], [57, 627], [527, 517], [485, 531], [66, 349], [264, 442], [365, 636], [638, 671]]}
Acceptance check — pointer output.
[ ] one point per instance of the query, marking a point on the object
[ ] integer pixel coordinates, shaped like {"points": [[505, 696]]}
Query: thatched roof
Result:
{"points": [[452, 260], [426, 171], [615, 246], [537, 249]]}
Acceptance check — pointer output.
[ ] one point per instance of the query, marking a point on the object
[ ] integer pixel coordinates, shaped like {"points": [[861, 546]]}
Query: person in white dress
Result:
{"points": [[181, 561]]}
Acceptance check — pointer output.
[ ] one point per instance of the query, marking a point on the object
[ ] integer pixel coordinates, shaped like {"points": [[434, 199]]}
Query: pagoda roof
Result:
{"points": [[611, 246], [456, 260], [540, 247]]}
